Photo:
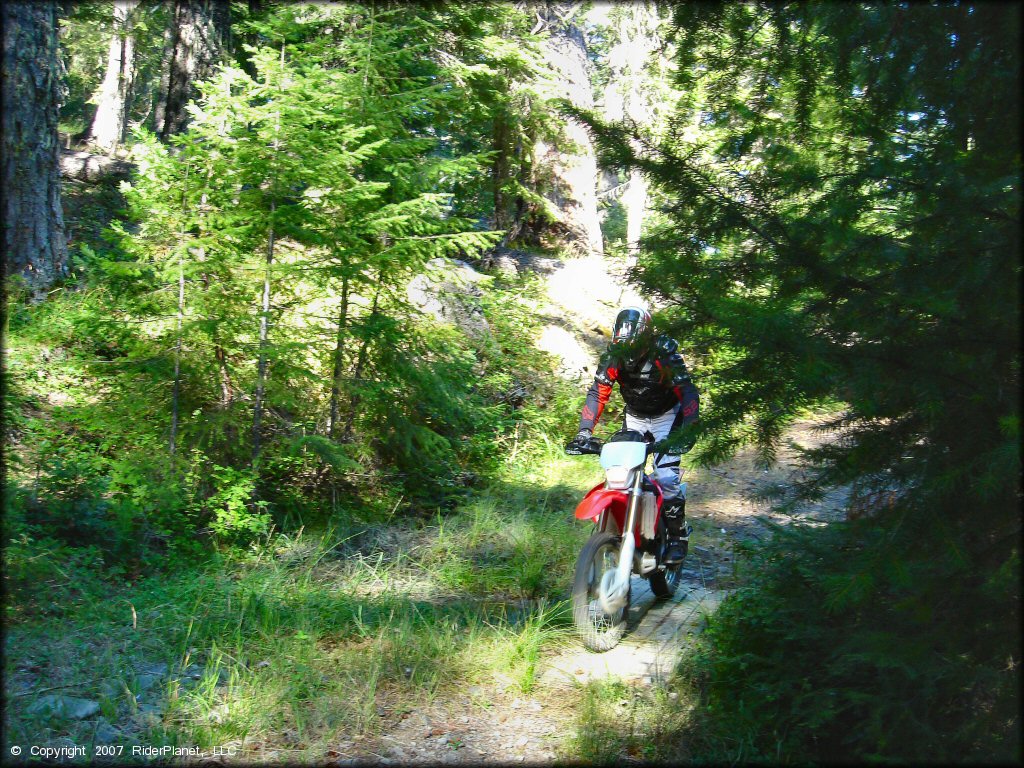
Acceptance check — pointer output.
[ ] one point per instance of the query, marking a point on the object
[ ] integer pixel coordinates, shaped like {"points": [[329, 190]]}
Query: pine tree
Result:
{"points": [[844, 227], [114, 98], [34, 238]]}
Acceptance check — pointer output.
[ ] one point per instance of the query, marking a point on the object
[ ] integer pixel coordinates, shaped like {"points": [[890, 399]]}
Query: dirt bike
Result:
{"points": [[628, 500]]}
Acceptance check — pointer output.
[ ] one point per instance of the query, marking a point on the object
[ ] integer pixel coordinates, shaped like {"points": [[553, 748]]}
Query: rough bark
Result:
{"points": [[499, 170], [195, 44], [111, 120], [35, 246], [572, 166]]}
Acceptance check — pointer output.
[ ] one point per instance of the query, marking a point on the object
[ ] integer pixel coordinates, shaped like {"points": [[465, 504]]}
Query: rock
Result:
{"points": [[144, 682], [446, 291], [112, 689], [64, 706], [506, 265], [574, 358], [106, 733], [192, 672], [152, 668], [150, 714]]}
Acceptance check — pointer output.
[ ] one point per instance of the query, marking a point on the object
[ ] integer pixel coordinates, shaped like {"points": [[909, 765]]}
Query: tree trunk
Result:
{"points": [[574, 174], [627, 96], [175, 396], [34, 240], [194, 46], [114, 99], [225, 375], [339, 362], [364, 350], [261, 366], [499, 170]]}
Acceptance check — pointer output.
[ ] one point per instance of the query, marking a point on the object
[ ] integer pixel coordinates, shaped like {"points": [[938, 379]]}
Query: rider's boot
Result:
{"points": [[674, 513]]}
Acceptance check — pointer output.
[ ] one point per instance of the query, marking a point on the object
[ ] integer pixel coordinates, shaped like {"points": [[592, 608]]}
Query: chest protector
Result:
{"points": [[648, 386]]}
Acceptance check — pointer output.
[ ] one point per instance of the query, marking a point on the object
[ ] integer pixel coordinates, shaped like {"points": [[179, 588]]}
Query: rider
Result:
{"points": [[659, 397]]}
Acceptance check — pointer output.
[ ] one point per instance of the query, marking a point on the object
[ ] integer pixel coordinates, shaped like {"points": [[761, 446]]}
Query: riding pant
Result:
{"points": [[666, 465]]}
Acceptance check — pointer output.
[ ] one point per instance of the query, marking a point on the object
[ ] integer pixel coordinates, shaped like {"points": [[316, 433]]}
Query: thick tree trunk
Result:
{"points": [[499, 170], [111, 120], [34, 239], [574, 174], [194, 46]]}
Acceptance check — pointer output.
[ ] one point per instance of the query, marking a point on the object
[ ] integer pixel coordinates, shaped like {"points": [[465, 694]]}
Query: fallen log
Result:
{"points": [[93, 169]]}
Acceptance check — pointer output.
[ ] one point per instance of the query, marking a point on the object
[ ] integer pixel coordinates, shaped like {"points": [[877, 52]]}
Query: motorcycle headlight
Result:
{"points": [[617, 477]]}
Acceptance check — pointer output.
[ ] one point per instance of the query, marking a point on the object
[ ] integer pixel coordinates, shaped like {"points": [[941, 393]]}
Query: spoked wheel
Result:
{"points": [[600, 631]]}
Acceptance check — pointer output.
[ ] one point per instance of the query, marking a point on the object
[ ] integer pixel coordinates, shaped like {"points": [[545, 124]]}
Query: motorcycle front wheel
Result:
{"points": [[600, 631]]}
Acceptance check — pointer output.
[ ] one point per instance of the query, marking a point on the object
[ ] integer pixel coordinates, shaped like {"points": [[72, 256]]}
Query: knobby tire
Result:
{"points": [[600, 631]]}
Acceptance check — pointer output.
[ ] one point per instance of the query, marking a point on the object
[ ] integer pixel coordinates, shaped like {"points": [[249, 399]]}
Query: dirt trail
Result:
{"points": [[496, 723]]}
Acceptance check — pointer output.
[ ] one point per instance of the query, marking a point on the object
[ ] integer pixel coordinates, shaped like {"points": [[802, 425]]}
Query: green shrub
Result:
{"points": [[858, 642]]}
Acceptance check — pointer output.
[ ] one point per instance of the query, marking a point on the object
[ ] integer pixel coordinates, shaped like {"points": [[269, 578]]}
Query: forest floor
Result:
{"points": [[579, 698], [560, 717], [395, 642]]}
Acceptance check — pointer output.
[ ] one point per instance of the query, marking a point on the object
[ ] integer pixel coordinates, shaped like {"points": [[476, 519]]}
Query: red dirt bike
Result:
{"points": [[628, 500]]}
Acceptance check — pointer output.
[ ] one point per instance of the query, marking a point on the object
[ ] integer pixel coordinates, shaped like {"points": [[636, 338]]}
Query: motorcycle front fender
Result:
{"points": [[600, 499]]}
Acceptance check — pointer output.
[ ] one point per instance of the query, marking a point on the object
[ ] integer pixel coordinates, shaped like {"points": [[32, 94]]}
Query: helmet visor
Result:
{"points": [[630, 324]]}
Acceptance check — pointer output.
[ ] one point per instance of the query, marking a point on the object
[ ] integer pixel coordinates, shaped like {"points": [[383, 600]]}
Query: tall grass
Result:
{"points": [[308, 639]]}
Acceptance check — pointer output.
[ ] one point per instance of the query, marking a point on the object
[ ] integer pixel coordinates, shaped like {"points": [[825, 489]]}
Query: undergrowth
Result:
{"points": [[302, 640]]}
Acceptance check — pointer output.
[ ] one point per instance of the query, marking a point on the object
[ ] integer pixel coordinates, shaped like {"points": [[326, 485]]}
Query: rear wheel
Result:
{"points": [[664, 583], [599, 630]]}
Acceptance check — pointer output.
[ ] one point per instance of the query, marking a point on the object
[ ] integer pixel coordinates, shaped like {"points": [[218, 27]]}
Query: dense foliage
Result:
{"points": [[246, 338], [240, 344], [843, 225]]}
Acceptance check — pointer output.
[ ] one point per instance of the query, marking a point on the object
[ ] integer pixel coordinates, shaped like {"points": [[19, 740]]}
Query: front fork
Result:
{"points": [[614, 590]]}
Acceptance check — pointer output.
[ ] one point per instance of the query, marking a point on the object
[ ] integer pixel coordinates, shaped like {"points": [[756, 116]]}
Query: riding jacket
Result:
{"points": [[651, 387]]}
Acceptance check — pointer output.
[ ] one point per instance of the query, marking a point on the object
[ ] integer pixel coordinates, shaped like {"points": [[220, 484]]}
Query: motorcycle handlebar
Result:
{"points": [[593, 446], [579, 448]]}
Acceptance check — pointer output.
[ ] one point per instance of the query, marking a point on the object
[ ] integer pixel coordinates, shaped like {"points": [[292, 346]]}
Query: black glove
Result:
{"points": [[577, 445]]}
